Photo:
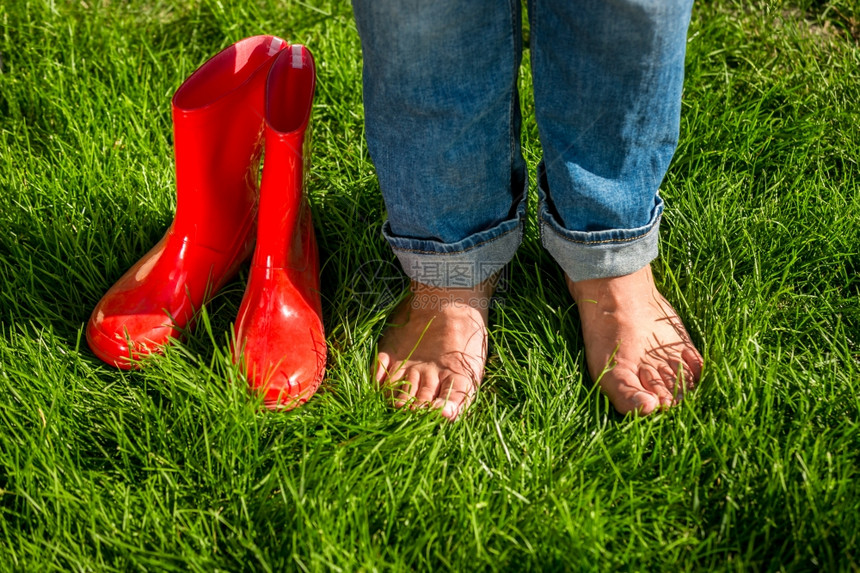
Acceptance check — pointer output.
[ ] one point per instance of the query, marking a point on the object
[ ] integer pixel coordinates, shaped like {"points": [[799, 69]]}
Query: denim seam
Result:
{"points": [[654, 226], [466, 250], [514, 84]]}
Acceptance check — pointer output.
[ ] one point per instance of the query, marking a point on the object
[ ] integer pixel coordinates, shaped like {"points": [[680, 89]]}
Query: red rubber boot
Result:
{"points": [[217, 122], [279, 329]]}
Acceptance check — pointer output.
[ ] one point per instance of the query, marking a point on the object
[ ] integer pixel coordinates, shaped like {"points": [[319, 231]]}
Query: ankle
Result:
{"points": [[442, 299], [611, 289]]}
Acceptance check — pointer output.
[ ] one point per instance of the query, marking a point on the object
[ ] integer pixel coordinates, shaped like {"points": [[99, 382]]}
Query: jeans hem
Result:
{"points": [[463, 264], [600, 254]]}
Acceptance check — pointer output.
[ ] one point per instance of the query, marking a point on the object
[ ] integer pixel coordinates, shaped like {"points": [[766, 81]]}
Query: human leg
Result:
{"points": [[608, 78], [442, 124]]}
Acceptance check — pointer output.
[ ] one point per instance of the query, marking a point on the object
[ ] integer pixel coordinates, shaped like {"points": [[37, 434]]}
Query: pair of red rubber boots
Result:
{"points": [[253, 95]]}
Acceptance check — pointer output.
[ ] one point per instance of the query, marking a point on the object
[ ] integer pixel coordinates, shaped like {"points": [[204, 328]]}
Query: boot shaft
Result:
{"points": [[218, 119], [289, 96]]}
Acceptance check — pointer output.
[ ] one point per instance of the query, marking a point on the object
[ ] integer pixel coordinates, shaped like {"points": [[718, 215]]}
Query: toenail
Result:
{"points": [[643, 401], [450, 410]]}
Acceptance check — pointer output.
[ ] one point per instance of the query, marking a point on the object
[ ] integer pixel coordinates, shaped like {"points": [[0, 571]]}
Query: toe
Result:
{"points": [[627, 394], [428, 388], [456, 393], [653, 381], [383, 362], [694, 362], [669, 377], [645, 403], [682, 378], [403, 390]]}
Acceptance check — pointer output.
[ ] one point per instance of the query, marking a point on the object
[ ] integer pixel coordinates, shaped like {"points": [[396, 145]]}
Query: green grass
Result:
{"points": [[175, 468]]}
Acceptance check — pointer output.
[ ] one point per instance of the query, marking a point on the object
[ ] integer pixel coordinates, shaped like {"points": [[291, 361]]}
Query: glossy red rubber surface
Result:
{"points": [[217, 120], [279, 329]]}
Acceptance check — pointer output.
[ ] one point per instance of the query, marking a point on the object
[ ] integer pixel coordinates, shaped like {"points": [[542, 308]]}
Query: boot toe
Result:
{"points": [[114, 351], [285, 381], [283, 393], [282, 339], [122, 342]]}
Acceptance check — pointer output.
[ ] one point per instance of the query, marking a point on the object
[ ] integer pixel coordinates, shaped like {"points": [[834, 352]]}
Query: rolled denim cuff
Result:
{"points": [[600, 254], [463, 264]]}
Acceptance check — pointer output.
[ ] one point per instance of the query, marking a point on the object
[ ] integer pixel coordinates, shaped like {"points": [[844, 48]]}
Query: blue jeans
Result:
{"points": [[442, 120]]}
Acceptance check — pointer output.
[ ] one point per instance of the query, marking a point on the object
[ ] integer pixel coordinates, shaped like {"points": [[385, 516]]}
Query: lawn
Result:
{"points": [[175, 467]]}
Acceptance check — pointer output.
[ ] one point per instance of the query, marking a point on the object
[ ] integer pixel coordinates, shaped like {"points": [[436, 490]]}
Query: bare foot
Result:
{"points": [[435, 347], [636, 346]]}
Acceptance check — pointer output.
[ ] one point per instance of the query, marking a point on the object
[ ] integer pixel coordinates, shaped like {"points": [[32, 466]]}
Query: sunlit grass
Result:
{"points": [[176, 468]]}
